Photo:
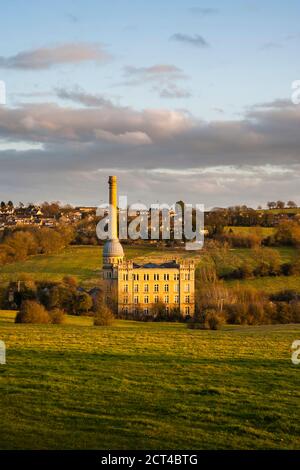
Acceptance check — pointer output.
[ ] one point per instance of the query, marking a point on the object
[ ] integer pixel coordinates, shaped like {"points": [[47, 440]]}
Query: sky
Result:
{"points": [[180, 100]]}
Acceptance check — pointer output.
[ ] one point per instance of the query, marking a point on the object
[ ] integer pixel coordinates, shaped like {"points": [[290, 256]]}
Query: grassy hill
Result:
{"points": [[85, 262], [82, 262], [147, 386]]}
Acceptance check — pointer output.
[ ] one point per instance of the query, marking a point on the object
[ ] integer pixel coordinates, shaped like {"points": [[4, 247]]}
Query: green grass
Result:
{"points": [[270, 284], [85, 263], [148, 386], [263, 231], [82, 262]]}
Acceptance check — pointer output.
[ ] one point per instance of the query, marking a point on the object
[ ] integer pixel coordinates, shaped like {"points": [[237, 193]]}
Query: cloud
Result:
{"points": [[270, 46], [47, 57], [163, 76], [157, 72], [155, 151], [78, 95], [196, 40], [72, 18], [203, 11], [173, 91]]}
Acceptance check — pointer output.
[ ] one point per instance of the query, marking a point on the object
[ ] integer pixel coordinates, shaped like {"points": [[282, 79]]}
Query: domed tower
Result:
{"points": [[113, 253]]}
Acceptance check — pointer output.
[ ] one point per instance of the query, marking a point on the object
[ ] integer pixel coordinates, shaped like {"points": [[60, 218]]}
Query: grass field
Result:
{"points": [[82, 262], [85, 262], [263, 231], [148, 386]]}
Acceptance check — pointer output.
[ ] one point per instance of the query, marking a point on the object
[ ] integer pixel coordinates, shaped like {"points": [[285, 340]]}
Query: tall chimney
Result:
{"points": [[113, 204]]}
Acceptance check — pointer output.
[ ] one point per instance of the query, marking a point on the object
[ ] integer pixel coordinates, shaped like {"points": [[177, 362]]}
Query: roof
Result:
{"points": [[169, 264]]}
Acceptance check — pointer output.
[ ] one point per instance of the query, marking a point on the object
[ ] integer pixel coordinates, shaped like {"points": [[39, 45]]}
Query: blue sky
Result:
{"points": [[207, 65]]}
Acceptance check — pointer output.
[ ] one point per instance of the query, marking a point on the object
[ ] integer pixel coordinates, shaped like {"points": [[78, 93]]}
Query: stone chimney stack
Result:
{"points": [[113, 203]]}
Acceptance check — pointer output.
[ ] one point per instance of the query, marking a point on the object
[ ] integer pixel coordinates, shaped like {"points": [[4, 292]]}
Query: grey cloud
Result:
{"points": [[47, 57], [194, 40], [164, 76], [256, 157], [173, 91], [203, 11], [77, 95], [270, 46], [157, 72]]}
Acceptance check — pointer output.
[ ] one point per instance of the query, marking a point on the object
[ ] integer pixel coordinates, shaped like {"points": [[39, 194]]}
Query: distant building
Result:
{"points": [[138, 287]]}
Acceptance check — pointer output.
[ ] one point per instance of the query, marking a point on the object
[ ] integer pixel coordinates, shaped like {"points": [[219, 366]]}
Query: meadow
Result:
{"points": [[148, 386], [85, 263]]}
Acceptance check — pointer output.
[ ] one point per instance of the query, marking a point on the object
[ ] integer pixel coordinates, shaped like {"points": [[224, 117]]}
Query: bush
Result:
{"points": [[236, 313], [210, 319], [213, 320], [103, 316], [57, 316], [32, 312]]}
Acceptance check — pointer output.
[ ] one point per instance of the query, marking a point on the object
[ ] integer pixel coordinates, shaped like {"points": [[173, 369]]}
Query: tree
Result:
{"points": [[32, 312], [84, 303], [50, 241], [280, 205], [291, 204], [288, 233], [103, 315], [23, 243], [271, 204]]}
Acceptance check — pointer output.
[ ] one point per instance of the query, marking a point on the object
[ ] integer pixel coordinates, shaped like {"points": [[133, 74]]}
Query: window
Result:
{"points": [[146, 310], [187, 310], [166, 299], [176, 287], [167, 309], [166, 287], [187, 288], [146, 299], [176, 277], [146, 277], [156, 288], [146, 287], [187, 299], [135, 277], [125, 300], [166, 277], [136, 299], [125, 277], [187, 277], [125, 288], [156, 299], [156, 277], [176, 299], [136, 288]]}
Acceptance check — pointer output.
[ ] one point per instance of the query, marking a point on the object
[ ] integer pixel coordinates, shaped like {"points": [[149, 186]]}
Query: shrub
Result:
{"points": [[32, 312], [103, 316], [84, 303], [236, 313], [57, 316], [213, 320]]}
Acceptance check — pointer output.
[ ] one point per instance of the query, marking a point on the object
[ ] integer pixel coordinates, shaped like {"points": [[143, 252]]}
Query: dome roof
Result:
{"points": [[112, 248]]}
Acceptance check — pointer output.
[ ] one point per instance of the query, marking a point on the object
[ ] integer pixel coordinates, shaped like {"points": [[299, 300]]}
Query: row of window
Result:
{"points": [[157, 277], [187, 288], [136, 299], [146, 310]]}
